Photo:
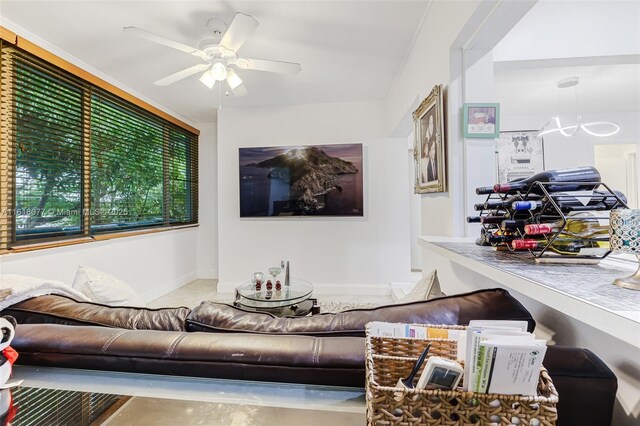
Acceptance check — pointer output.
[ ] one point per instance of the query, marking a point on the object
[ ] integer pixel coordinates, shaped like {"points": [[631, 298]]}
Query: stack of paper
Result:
{"points": [[502, 357], [413, 331]]}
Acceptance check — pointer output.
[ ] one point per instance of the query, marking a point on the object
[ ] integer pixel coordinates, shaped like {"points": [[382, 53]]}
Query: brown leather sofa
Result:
{"points": [[222, 341]]}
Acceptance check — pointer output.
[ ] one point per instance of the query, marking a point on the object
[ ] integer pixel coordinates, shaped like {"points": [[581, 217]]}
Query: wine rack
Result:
{"points": [[550, 210]]}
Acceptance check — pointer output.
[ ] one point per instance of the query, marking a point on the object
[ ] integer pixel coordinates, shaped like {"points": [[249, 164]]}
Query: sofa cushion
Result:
{"points": [[55, 309], [337, 361], [427, 288], [458, 309], [101, 287]]}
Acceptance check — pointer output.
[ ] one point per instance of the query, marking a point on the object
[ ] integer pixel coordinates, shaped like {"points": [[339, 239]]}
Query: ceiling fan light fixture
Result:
{"points": [[219, 71], [208, 79], [233, 79]]}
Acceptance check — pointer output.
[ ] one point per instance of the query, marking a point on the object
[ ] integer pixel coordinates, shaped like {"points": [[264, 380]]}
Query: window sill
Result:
{"points": [[84, 240]]}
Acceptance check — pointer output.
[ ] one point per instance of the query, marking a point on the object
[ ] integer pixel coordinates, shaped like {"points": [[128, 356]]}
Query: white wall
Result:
{"points": [[341, 255], [152, 264], [428, 64], [207, 239]]}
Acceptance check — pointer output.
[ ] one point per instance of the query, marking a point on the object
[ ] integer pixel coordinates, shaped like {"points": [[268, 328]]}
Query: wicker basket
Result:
{"points": [[389, 359]]}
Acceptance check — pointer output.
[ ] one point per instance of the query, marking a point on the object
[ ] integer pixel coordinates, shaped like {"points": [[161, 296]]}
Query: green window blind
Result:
{"points": [[77, 160]]}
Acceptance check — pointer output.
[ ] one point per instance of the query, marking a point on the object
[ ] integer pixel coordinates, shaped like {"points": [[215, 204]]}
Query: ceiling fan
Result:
{"points": [[219, 53]]}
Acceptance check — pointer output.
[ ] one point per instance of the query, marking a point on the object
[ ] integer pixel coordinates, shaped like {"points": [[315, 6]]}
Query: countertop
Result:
{"points": [[584, 292]]}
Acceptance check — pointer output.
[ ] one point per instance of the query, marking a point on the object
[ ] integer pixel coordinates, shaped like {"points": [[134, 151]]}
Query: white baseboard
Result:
{"points": [[328, 289], [206, 274], [165, 288]]}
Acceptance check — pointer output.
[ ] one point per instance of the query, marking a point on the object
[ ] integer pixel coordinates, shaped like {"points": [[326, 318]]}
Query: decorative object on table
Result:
{"points": [[625, 238], [311, 180], [257, 278], [519, 155], [287, 279], [557, 215], [481, 120], [9, 355], [275, 271], [429, 148], [594, 128]]}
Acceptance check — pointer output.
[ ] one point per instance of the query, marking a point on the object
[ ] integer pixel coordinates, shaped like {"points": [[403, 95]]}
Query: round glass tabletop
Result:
{"points": [[297, 291]]}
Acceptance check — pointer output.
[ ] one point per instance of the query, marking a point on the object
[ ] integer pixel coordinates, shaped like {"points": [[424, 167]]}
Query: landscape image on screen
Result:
{"points": [[312, 180]]}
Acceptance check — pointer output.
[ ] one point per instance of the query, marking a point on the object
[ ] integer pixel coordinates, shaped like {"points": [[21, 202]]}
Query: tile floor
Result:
{"points": [[167, 400]]}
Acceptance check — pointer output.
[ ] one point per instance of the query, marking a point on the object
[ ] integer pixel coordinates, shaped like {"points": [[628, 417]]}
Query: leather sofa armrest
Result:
{"points": [[586, 386]]}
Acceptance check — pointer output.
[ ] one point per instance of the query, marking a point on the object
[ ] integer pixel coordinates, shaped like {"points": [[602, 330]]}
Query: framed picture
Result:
{"points": [[429, 146], [481, 121], [306, 180], [519, 154]]}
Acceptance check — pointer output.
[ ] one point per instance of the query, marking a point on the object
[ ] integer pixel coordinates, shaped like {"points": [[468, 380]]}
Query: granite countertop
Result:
{"points": [[589, 283]]}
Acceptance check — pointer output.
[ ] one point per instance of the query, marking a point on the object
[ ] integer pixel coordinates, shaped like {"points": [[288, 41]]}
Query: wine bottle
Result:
{"points": [[579, 224], [473, 219], [513, 224], [576, 201], [485, 190], [580, 178], [498, 239], [497, 204], [565, 246], [492, 219]]}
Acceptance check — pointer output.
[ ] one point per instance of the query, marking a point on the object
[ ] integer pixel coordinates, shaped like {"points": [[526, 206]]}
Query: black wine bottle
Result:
{"points": [[473, 219], [492, 219], [497, 239], [580, 178], [576, 201], [485, 190], [513, 224], [505, 204]]}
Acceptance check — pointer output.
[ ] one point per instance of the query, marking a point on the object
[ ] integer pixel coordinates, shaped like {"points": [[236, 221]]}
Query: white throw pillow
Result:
{"points": [[427, 288], [104, 288]]}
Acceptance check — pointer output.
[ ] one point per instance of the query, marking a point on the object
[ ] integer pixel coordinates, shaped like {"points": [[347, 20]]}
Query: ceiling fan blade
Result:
{"points": [[235, 84], [146, 35], [271, 66], [239, 31], [181, 74]]}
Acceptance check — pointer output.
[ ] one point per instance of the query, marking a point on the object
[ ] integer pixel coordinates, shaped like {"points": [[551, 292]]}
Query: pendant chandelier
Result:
{"points": [[600, 129]]}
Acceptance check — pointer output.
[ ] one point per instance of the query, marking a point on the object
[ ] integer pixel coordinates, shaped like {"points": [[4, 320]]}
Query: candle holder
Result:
{"points": [[625, 238]]}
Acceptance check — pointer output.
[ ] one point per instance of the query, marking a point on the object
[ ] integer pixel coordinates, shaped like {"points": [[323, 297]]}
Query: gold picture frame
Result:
{"points": [[429, 149]]}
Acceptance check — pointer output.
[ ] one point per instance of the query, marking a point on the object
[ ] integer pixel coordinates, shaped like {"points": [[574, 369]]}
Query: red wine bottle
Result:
{"points": [[580, 178]]}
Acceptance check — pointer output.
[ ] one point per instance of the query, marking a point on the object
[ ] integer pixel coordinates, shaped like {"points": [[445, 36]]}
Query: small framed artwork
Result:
{"points": [[519, 154], [429, 146], [481, 121]]}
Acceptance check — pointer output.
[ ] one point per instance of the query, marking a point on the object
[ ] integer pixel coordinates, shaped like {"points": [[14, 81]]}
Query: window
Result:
{"points": [[78, 160]]}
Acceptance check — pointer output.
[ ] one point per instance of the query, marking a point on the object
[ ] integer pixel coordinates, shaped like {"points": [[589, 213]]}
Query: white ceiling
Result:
{"points": [[349, 50], [597, 41]]}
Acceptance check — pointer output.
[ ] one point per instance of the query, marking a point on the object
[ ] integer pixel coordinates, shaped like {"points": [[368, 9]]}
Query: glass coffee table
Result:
{"points": [[294, 299]]}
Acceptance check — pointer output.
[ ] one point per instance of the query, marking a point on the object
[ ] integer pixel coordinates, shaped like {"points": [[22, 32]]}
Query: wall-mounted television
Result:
{"points": [[308, 180]]}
